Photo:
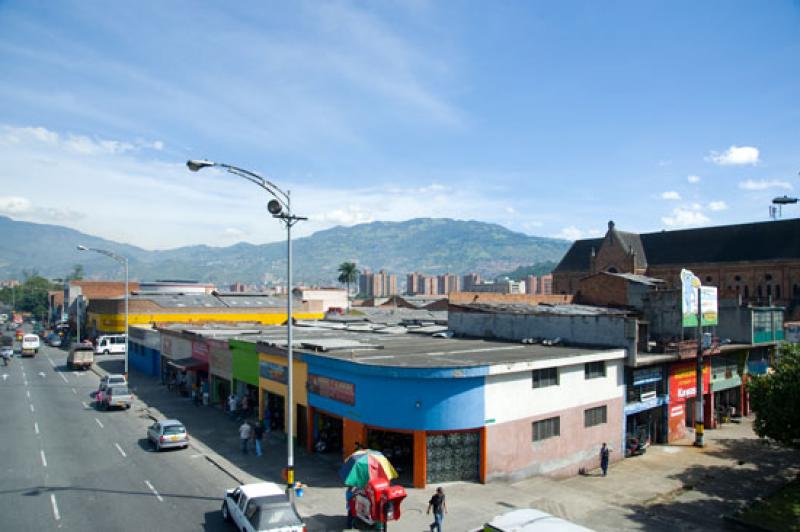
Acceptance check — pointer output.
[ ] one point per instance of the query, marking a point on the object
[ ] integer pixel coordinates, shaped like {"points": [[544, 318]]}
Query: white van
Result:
{"points": [[30, 344], [110, 345]]}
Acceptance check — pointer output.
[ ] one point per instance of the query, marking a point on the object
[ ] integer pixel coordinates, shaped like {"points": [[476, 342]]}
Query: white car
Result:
{"points": [[529, 520], [261, 507], [115, 379], [111, 344]]}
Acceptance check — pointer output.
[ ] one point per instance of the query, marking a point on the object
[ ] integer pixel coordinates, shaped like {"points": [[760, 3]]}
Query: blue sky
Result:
{"points": [[549, 118]]}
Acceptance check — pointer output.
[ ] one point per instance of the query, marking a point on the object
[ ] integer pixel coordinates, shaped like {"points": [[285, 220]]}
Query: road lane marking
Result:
{"points": [[120, 450], [154, 491], [32, 409], [44, 460], [85, 404], [63, 377], [36, 427], [98, 422], [51, 362], [74, 391], [28, 394], [55, 506]]}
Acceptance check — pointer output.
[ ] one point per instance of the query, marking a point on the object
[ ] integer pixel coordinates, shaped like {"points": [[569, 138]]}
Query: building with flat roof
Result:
{"points": [[445, 409]]}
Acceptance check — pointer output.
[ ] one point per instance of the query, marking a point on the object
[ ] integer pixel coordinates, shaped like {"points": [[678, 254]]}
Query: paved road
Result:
{"points": [[67, 466]]}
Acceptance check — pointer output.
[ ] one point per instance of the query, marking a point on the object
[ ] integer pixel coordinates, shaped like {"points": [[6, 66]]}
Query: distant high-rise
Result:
{"points": [[379, 284], [447, 283], [470, 280]]}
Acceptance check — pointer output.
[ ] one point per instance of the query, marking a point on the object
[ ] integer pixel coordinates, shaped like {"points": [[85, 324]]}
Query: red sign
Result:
{"points": [[200, 351], [344, 392], [683, 381]]}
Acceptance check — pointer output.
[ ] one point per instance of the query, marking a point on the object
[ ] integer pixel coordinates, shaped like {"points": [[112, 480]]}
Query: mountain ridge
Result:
{"points": [[427, 245]]}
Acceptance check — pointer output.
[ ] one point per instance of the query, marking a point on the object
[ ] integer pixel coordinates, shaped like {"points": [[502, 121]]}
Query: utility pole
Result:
{"points": [[698, 420]]}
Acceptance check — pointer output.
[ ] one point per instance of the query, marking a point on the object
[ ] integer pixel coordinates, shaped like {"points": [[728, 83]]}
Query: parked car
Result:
{"points": [[167, 434], [30, 345], [529, 520], [54, 340], [80, 356], [261, 507], [116, 379], [113, 397]]}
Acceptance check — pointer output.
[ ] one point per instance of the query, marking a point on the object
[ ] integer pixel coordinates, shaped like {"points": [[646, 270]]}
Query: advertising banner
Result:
{"points": [[342, 391], [690, 288]]}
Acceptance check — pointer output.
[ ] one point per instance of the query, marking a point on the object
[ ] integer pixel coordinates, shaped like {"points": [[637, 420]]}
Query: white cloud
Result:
{"points": [[573, 233], [510, 210], [14, 205], [351, 215], [665, 162], [763, 184], [735, 155], [693, 179], [233, 232], [683, 217], [670, 195], [717, 205]]}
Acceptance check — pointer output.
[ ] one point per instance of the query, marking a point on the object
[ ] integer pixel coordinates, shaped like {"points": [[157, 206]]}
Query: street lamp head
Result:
{"points": [[198, 164], [274, 207], [82, 248]]}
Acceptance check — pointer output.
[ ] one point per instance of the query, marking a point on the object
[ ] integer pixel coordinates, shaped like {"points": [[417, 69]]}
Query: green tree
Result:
{"points": [[775, 399], [77, 273], [348, 274]]}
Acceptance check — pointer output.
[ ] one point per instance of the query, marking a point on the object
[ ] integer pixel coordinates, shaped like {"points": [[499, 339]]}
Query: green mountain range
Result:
{"points": [[426, 245]]}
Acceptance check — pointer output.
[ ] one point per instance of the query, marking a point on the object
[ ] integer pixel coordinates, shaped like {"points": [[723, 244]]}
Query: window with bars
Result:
{"points": [[545, 377], [546, 428], [595, 416], [595, 370]]}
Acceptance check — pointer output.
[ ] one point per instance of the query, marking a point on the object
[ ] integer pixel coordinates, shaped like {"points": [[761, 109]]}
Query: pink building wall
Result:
{"points": [[511, 453]]}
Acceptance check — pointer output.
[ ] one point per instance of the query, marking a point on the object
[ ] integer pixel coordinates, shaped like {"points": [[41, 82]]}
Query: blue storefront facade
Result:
{"points": [[145, 350], [429, 421]]}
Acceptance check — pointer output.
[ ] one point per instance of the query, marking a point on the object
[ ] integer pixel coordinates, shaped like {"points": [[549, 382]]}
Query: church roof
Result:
{"points": [[761, 241]]}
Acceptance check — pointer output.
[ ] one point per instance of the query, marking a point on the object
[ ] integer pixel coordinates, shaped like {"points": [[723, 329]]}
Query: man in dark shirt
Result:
{"points": [[439, 507]]}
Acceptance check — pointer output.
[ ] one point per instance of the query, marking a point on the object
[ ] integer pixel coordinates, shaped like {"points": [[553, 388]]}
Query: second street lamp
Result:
{"points": [[279, 207], [124, 261]]}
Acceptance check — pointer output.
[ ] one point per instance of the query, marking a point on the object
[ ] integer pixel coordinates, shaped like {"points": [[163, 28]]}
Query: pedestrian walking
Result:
{"points": [[604, 452], [245, 430], [439, 507], [258, 435], [232, 402]]}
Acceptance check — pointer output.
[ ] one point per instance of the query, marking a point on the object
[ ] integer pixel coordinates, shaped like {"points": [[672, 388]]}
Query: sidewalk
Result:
{"points": [[671, 487]]}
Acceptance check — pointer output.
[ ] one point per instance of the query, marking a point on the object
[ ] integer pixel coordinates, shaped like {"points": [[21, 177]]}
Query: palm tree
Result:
{"points": [[348, 273]]}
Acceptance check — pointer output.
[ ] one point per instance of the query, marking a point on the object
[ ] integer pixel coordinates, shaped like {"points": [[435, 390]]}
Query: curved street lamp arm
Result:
{"points": [[264, 183]]}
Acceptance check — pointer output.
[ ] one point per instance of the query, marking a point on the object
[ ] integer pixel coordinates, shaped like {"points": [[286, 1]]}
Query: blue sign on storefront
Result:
{"points": [[647, 375], [273, 372]]}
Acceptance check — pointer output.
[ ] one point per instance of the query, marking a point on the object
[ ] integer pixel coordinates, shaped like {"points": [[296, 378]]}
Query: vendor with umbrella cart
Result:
{"points": [[374, 500]]}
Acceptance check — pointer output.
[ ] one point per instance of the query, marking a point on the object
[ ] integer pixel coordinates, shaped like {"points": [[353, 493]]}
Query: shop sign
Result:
{"points": [[273, 372], [676, 411], [655, 402], [200, 351], [646, 375], [647, 396], [683, 382], [220, 359], [344, 392]]}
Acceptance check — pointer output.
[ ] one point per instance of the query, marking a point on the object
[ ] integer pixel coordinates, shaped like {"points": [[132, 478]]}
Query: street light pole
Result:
{"points": [[281, 208], [124, 261]]}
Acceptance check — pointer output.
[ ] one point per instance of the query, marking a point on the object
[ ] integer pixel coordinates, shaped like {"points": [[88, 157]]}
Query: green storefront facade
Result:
{"points": [[244, 358]]}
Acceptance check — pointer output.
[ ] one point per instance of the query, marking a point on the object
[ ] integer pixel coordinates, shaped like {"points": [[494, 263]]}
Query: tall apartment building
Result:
{"points": [[469, 280], [541, 285], [447, 283], [378, 284], [419, 284]]}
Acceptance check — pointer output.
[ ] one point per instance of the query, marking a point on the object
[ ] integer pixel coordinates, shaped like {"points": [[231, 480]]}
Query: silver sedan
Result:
{"points": [[168, 433]]}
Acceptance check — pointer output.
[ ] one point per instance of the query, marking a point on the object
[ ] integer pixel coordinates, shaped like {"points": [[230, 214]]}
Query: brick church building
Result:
{"points": [[758, 263]]}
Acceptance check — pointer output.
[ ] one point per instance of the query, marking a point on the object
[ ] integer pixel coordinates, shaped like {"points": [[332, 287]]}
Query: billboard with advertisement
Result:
{"points": [[691, 289]]}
